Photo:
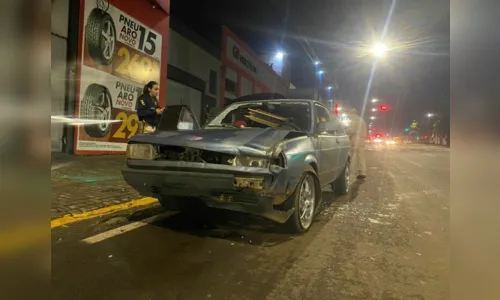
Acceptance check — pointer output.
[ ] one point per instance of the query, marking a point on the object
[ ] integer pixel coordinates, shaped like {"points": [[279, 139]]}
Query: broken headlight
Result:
{"points": [[246, 161], [141, 151]]}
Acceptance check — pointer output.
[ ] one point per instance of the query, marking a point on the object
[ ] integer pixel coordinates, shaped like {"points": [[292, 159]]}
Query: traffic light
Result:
{"points": [[384, 107], [407, 129]]}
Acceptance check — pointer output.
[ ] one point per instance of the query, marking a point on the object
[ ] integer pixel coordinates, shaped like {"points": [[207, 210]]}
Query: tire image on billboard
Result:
{"points": [[100, 36], [97, 105]]}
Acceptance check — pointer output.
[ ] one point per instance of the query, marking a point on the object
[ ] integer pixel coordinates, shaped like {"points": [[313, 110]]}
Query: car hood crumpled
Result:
{"points": [[236, 141]]}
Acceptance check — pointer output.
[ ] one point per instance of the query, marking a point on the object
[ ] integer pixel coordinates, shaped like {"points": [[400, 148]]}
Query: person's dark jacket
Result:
{"points": [[146, 109]]}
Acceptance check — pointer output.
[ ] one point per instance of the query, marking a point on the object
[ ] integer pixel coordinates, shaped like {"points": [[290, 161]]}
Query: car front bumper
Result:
{"points": [[218, 186]]}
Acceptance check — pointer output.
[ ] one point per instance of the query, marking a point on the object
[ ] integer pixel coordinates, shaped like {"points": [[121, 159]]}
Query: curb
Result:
{"points": [[71, 218]]}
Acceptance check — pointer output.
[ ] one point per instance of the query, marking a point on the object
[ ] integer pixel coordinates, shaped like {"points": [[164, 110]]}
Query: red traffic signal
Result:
{"points": [[384, 107]]}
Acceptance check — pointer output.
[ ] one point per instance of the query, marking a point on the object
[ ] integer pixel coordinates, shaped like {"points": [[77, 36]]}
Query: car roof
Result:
{"points": [[259, 96], [283, 100]]}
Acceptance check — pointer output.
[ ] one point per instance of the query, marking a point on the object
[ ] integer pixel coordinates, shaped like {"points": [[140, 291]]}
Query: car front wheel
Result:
{"points": [[305, 200]]}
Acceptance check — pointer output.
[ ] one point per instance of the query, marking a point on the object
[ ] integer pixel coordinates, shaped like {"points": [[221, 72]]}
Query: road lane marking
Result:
{"points": [[430, 154], [125, 228], [413, 163], [71, 218]]}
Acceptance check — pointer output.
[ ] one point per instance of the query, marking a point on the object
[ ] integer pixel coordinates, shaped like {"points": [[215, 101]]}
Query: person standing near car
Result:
{"points": [[148, 109], [358, 132]]}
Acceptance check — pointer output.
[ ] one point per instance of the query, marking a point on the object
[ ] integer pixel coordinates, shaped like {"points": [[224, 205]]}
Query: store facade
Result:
{"points": [[244, 72], [106, 54]]}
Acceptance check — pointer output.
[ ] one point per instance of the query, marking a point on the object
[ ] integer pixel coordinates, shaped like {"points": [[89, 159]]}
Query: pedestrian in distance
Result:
{"points": [[148, 110], [358, 132]]}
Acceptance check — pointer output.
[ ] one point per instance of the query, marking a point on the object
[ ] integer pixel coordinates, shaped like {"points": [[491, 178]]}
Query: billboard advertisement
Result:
{"points": [[118, 55]]}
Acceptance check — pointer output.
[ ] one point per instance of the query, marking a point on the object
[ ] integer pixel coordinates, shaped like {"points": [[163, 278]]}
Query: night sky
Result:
{"points": [[413, 79]]}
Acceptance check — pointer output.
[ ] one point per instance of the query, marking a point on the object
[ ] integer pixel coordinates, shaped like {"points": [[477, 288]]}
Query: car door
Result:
{"points": [[328, 147], [178, 117], [343, 145]]}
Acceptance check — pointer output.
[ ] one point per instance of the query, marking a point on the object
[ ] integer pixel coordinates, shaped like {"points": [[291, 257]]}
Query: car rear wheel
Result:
{"points": [[305, 200], [341, 185]]}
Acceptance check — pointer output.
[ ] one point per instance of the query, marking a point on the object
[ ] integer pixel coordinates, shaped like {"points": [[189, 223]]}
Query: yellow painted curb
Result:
{"points": [[100, 212]]}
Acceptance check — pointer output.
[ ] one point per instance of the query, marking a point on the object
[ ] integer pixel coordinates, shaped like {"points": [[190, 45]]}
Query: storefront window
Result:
{"points": [[230, 86]]}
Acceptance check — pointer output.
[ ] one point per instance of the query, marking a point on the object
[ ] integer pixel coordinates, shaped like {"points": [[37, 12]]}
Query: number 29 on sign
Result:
{"points": [[128, 127]]}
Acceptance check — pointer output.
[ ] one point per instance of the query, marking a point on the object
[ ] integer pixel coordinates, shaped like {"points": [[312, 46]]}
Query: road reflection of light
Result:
{"points": [[77, 122]]}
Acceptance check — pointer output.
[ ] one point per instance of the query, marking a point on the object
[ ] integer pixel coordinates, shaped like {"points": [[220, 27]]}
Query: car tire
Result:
{"points": [[341, 185], [96, 105], [294, 224], [101, 49]]}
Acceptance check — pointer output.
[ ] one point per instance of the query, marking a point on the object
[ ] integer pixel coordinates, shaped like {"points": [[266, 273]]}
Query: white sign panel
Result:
{"points": [[135, 34]]}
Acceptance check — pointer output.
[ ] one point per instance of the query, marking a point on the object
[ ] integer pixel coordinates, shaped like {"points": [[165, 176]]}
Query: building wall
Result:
{"points": [[253, 75], [59, 37], [189, 57]]}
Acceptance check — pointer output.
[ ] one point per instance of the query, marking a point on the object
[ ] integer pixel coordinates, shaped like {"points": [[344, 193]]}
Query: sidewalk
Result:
{"points": [[84, 183]]}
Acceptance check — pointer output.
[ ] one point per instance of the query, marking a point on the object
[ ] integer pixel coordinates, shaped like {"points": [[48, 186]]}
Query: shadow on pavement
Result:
{"points": [[228, 225], [232, 226], [244, 228]]}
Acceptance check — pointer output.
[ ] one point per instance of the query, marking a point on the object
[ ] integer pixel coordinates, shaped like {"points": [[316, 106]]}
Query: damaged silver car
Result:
{"points": [[268, 158]]}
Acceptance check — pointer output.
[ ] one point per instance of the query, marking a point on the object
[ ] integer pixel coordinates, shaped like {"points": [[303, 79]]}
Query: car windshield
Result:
{"points": [[293, 115]]}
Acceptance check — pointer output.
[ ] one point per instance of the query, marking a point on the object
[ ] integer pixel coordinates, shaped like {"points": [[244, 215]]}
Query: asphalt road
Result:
{"points": [[388, 240]]}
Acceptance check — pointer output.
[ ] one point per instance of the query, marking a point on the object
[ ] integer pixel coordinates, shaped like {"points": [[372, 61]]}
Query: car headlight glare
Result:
{"points": [[246, 161], [141, 151]]}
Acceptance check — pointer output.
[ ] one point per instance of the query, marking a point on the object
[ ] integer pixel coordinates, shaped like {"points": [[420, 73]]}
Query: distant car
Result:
{"points": [[377, 140], [397, 141], [269, 158]]}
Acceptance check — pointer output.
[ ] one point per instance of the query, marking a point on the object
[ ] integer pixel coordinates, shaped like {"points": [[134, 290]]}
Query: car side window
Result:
{"points": [[322, 115], [340, 131]]}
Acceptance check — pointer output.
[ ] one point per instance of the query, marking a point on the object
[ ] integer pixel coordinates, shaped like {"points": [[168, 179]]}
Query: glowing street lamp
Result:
{"points": [[316, 63], [372, 117], [374, 109], [329, 87], [429, 115], [321, 72], [379, 50], [279, 55], [374, 100]]}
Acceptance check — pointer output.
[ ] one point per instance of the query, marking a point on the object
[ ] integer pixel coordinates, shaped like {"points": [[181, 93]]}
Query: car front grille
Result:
{"points": [[176, 153]]}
